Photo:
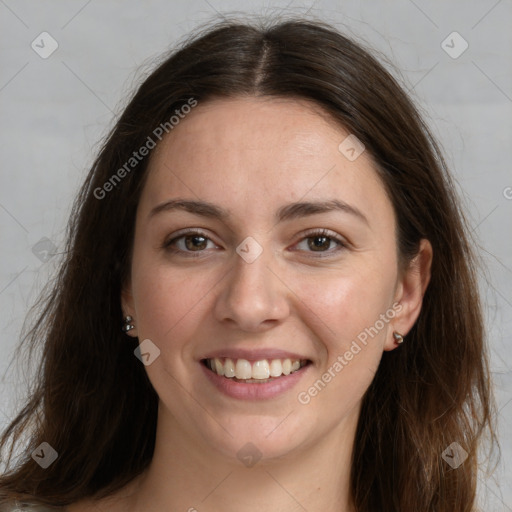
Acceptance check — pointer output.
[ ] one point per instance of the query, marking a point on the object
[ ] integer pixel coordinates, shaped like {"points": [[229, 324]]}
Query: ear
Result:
{"points": [[410, 290], [127, 306]]}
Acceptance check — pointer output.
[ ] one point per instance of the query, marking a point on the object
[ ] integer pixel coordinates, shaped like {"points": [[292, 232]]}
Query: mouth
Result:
{"points": [[255, 372]]}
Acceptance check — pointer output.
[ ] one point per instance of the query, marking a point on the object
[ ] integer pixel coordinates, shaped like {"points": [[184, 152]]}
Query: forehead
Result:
{"points": [[265, 150]]}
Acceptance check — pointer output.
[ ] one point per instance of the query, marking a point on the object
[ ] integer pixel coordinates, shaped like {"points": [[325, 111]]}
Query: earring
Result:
{"points": [[128, 326], [398, 337]]}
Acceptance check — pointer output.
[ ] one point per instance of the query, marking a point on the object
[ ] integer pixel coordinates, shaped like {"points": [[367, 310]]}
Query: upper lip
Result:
{"points": [[254, 355]]}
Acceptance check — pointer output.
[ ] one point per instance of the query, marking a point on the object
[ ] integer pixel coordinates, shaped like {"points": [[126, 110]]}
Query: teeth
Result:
{"points": [[259, 370], [229, 367], [219, 367], [276, 368], [243, 369]]}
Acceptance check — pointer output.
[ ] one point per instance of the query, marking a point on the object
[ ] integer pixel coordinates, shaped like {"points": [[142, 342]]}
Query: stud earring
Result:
{"points": [[398, 337], [128, 326]]}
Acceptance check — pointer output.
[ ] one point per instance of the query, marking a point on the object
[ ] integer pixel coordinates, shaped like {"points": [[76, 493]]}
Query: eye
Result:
{"points": [[191, 241], [196, 241], [320, 241]]}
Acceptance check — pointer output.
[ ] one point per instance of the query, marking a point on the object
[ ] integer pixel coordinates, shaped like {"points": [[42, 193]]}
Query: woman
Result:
{"points": [[269, 298]]}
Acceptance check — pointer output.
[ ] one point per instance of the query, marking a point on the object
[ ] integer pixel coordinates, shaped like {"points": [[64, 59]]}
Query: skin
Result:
{"points": [[251, 156]]}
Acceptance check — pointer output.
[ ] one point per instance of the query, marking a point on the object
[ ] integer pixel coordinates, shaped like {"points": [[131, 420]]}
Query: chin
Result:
{"points": [[257, 437]]}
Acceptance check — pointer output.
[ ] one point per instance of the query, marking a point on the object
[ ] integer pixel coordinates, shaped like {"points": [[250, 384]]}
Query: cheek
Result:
{"points": [[166, 299], [349, 302], [347, 311]]}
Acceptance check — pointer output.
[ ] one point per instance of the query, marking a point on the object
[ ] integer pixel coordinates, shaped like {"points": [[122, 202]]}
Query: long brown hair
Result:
{"points": [[92, 400]]}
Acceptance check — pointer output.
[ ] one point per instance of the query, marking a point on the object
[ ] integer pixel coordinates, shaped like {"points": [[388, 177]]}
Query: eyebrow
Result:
{"points": [[287, 212]]}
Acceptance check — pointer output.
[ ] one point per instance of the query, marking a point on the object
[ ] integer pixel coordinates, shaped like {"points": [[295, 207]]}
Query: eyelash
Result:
{"points": [[168, 245]]}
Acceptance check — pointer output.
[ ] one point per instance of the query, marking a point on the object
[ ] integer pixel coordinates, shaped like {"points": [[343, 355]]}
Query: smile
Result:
{"points": [[262, 371]]}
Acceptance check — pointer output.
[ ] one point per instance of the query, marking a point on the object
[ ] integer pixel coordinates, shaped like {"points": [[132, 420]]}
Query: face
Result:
{"points": [[281, 248]]}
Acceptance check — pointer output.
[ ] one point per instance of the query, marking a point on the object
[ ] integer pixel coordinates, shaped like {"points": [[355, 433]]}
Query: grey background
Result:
{"points": [[54, 112]]}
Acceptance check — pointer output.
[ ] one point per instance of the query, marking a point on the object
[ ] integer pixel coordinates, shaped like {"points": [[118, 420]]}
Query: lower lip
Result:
{"points": [[255, 390]]}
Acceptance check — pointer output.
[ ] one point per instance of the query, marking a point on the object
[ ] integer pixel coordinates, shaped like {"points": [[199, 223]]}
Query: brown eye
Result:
{"points": [[195, 242], [319, 242], [187, 243]]}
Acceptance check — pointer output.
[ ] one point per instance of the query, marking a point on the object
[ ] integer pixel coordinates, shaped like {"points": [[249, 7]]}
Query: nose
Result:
{"points": [[253, 296]]}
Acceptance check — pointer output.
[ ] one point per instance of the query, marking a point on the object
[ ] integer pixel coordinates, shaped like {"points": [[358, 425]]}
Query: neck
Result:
{"points": [[187, 474]]}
